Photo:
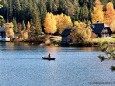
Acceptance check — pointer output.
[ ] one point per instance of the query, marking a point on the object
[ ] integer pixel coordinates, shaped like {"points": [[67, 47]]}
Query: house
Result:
{"points": [[3, 35], [101, 30], [66, 35]]}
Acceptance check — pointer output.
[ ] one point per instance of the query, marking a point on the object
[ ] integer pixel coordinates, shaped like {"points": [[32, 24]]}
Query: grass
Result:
{"points": [[102, 40]]}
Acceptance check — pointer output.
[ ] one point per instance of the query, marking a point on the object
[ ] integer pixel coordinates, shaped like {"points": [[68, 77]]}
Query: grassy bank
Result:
{"points": [[103, 40]]}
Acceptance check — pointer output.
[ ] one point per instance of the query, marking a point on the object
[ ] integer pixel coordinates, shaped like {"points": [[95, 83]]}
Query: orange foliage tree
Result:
{"points": [[79, 24], [63, 22], [50, 23], [28, 26], [81, 33], [112, 25], [9, 29], [98, 14], [109, 13]]}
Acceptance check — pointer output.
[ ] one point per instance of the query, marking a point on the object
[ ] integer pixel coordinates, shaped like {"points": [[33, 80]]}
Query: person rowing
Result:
{"points": [[49, 56]]}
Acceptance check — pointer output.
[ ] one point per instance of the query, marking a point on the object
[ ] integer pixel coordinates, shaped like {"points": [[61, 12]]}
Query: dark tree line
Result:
{"points": [[35, 10]]}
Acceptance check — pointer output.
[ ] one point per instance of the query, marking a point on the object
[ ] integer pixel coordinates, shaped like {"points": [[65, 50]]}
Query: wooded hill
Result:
{"points": [[35, 11], [79, 10]]}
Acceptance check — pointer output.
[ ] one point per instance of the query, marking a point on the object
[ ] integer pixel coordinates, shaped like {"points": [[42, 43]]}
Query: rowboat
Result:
{"points": [[47, 58]]}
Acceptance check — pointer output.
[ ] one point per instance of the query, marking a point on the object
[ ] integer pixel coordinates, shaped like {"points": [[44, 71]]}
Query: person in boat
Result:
{"points": [[49, 56]]}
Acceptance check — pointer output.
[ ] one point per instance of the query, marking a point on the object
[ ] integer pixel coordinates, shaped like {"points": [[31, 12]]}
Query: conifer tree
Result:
{"points": [[23, 25], [83, 15], [10, 14], [36, 20], [15, 25], [42, 10], [17, 8], [17, 5]]}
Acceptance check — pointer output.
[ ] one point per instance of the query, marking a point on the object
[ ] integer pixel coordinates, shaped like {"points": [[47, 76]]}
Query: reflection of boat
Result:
{"points": [[47, 58]]}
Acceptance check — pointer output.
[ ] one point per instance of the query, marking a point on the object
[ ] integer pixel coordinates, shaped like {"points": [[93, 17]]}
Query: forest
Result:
{"points": [[26, 10], [51, 16]]}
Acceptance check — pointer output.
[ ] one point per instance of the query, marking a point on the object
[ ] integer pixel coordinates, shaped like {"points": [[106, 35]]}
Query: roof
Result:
{"points": [[2, 29], [66, 32], [100, 28], [97, 28]]}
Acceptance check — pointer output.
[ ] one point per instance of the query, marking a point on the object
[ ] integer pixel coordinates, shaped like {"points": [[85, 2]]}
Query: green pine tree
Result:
{"points": [[23, 25], [36, 20], [15, 25]]}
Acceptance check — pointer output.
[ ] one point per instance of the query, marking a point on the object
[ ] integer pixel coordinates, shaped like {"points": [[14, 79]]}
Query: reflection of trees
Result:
{"points": [[14, 46], [88, 48], [52, 50]]}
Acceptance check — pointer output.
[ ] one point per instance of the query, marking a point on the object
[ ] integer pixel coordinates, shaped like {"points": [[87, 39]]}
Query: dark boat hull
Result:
{"points": [[46, 58]]}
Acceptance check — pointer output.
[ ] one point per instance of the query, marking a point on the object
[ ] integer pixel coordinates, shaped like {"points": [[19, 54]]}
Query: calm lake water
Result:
{"points": [[22, 65]]}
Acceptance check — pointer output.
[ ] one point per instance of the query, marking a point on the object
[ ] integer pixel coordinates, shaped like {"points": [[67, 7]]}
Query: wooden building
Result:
{"points": [[2, 33], [101, 30], [66, 35], [3, 36]]}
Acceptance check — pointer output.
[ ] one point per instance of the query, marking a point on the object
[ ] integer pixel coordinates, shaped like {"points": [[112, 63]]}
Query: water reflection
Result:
{"points": [[22, 65]]}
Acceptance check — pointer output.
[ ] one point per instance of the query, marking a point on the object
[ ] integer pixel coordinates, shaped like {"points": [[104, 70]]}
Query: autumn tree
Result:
{"points": [[79, 35], [112, 25], [28, 26], [98, 14], [79, 24], [50, 23], [109, 13], [63, 22], [9, 29]]}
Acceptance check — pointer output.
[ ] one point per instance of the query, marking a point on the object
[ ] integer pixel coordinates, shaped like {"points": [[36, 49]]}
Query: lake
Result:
{"points": [[22, 65]]}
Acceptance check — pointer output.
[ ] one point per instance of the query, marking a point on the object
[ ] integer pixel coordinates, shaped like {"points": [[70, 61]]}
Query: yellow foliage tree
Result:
{"points": [[88, 32], [112, 25], [109, 13], [28, 26], [63, 22], [79, 24], [25, 35], [98, 14], [50, 23], [81, 33], [9, 29]]}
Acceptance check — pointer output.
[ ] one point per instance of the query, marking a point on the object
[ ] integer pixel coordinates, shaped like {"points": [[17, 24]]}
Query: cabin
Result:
{"points": [[101, 30], [66, 35], [2, 33], [3, 36]]}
